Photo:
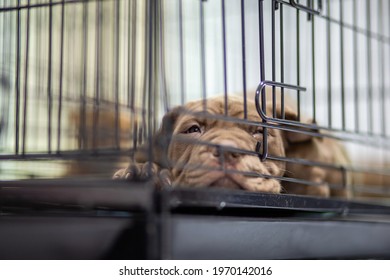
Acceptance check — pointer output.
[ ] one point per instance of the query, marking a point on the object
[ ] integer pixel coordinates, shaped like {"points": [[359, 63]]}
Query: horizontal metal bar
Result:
{"points": [[123, 196], [77, 194], [42, 5], [69, 154], [224, 199]]}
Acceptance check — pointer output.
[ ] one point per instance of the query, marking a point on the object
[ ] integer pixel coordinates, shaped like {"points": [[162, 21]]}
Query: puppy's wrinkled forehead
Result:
{"points": [[204, 110]]}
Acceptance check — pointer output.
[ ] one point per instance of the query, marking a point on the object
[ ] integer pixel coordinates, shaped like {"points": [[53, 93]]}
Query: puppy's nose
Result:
{"points": [[225, 151]]}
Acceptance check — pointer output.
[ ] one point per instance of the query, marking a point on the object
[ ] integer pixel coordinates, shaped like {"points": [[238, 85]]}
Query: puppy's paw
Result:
{"points": [[137, 171], [164, 179], [120, 174], [143, 172]]}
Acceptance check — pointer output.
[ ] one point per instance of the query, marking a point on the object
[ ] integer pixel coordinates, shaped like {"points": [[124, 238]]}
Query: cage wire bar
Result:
{"points": [[85, 83], [76, 78], [335, 117]]}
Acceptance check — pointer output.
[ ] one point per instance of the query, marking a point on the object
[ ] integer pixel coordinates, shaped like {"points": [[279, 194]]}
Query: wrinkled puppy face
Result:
{"points": [[210, 152]]}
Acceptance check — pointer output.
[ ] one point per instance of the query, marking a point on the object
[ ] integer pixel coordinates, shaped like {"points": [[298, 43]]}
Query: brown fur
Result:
{"points": [[323, 150], [95, 130]]}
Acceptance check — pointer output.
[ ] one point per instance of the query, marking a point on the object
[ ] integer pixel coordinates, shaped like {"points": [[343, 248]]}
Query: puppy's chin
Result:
{"points": [[232, 181]]}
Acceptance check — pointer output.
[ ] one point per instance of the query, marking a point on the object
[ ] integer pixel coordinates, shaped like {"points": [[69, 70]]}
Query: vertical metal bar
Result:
{"points": [[224, 56], [262, 78], [145, 90], [152, 41], [17, 97], [49, 67], [310, 6], [261, 47], [61, 78], [3, 35], [96, 102], [355, 69], [369, 68], [152, 66], [83, 97], [129, 50], [319, 5], [165, 226], [181, 47], [133, 41], [70, 52], [161, 52], [116, 80], [273, 47], [381, 16], [203, 56], [313, 59], [281, 61], [329, 54], [5, 28], [243, 58], [388, 63], [342, 66], [38, 59], [25, 92], [298, 68]]}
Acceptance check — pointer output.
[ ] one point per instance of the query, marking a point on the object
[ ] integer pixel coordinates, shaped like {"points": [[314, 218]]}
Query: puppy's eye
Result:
{"points": [[193, 129]]}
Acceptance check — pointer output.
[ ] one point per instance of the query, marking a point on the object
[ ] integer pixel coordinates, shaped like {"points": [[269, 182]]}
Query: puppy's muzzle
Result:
{"points": [[226, 151]]}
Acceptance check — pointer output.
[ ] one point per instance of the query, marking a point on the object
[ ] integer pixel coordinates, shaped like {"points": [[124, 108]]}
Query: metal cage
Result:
{"points": [[85, 83]]}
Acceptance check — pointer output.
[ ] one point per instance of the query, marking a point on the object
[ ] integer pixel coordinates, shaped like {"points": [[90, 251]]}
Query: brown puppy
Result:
{"points": [[205, 152], [209, 151]]}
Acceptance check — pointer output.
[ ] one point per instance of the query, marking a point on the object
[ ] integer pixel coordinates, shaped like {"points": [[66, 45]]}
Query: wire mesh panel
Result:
{"points": [[317, 68], [85, 85], [225, 118], [73, 85], [323, 61]]}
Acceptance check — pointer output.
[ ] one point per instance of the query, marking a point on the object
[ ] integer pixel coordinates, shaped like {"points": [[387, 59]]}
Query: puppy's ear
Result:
{"points": [[292, 115], [160, 141]]}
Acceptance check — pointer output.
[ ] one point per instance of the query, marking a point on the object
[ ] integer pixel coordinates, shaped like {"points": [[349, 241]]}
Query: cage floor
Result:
{"points": [[97, 219]]}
